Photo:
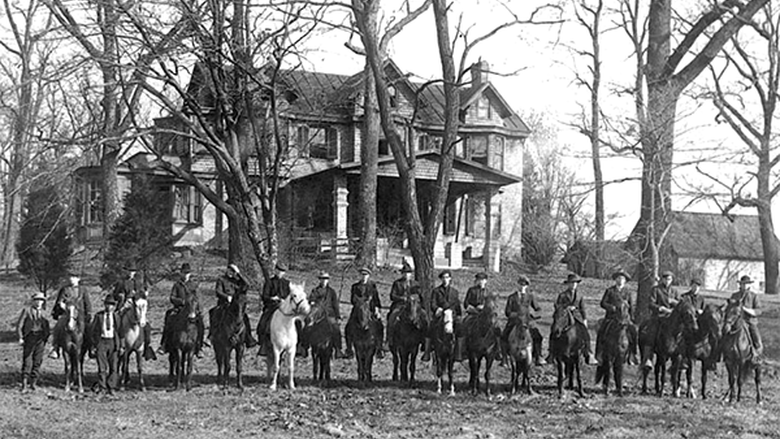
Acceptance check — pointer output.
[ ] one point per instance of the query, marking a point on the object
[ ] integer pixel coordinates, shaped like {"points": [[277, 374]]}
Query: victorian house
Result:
{"points": [[319, 198]]}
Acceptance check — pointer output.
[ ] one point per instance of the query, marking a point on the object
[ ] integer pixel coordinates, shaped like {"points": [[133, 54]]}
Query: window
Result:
{"points": [[427, 142], [393, 93], [92, 203], [450, 219], [478, 149], [187, 205], [317, 142], [497, 151], [483, 108], [384, 147]]}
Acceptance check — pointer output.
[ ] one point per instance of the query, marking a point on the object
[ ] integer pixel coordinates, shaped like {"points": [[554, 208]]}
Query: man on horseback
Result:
{"points": [[71, 295], [325, 296], [474, 302], [518, 310], [663, 299], [613, 298], [694, 297], [105, 331], [126, 291], [276, 289], [400, 293], [748, 300], [365, 289], [444, 297], [33, 330], [570, 299], [182, 290], [232, 282]]}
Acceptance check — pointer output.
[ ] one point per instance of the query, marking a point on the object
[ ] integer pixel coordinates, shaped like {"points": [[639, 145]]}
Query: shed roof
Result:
{"points": [[715, 236]]}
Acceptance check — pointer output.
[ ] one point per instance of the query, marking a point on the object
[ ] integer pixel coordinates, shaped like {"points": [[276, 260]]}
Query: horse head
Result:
{"points": [[710, 320], [562, 321], [413, 311], [317, 313], [361, 312], [732, 319], [191, 306], [624, 313], [296, 303], [686, 316]]}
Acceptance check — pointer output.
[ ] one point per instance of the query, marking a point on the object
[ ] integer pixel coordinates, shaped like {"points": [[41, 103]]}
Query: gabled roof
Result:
{"points": [[714, 236]]}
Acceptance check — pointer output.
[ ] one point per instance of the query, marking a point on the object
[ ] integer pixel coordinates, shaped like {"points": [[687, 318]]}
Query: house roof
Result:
{"points": [[715, 236]]}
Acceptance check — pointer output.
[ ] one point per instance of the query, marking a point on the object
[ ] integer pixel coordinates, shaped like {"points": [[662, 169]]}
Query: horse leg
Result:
{"points": [[66, 359], [606, 371], [618, 374], [576, 367], [757, 379], [473, 375], [740, 374], [139, 357], [559, 364], [413, 365], [488, 364], [188, 384], [450, 364], [689, 392], [703, 380], [291, 366], [274, 367], [513, 375], [396, 360]]}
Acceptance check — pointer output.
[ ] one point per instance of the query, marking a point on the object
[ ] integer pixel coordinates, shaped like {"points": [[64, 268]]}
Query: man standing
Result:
{"points": [[183, 290], [33, 330], [569, 298], [274, 291], [663, 298], [71, 294], [365, 289], [106, 333], [748, 300], [400, 293], [611, 302], [232, 282], [324, 296], [518, 311], [444, 297]]}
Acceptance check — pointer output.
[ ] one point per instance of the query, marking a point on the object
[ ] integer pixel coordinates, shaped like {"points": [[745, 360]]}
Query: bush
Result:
{"points": [[44, 245]]}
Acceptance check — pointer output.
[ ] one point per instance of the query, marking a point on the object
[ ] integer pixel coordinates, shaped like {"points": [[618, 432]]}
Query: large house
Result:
{"points": [[324, 113], [717, 249]]}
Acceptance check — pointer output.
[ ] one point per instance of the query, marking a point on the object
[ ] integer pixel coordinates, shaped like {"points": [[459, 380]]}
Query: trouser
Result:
{"points": [[392, 321], [108, 363], [32, 355]]}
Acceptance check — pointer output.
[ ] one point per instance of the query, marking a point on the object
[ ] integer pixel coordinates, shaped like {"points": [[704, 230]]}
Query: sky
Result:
{"points": [[534, 68]]}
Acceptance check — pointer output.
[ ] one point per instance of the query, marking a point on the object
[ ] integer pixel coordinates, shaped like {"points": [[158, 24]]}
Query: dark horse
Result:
{"points": [[738, 352], [616, 348], [181, 342], [70, 337], [566, 346], [227, 336], [520, 355], [409, 333], [702, 344], [319, 333], [667, 345], [483, 340], [444, 341], [363, 330], [131, 338]]}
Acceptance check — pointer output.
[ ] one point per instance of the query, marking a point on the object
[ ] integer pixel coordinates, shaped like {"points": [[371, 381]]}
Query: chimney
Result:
{"points": [[479, 73]]}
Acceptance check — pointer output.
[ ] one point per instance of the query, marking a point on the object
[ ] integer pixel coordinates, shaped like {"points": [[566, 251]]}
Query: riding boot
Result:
{"points": [[460, 349], [249, 340], [427, 354]]}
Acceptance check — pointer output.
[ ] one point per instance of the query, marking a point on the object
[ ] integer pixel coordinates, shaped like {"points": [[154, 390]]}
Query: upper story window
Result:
{"points": [[427, 142], [187, 205], [478, 149], [319, 142], [483, 108], [450, 219], [497, 152], [91, 203]]}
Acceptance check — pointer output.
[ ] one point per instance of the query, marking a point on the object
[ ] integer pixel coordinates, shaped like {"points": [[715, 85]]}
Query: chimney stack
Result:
{"points": [[479, 73]]}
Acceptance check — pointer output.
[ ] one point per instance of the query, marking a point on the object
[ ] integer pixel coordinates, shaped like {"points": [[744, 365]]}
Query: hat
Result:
{"points": [[281, 267], [445, 273], [130, 266], [695, 281], [481, 275], [523, 280], [745, 280], [621, 272], [109, 300], [572, 278], [406, 268], [185, 268], [667, 273], [38, 296], [323, 275], [364, 270]]}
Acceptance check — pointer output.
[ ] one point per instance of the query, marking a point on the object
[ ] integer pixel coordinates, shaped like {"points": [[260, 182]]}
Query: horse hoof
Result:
{"points": [[273, 387]]}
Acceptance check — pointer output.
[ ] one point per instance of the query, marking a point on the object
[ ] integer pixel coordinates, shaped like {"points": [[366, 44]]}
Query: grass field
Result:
{"points": [[382, 410]]}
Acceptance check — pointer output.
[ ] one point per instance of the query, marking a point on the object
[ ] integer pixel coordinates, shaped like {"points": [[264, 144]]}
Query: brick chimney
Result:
{"points": [[479, 73]]}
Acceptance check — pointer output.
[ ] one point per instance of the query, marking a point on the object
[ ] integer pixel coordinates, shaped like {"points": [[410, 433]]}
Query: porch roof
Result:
{"points": [[427, 166]]}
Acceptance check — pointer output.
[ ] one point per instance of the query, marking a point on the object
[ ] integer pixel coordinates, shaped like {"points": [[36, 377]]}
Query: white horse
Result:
{"points": [[284, 335]]}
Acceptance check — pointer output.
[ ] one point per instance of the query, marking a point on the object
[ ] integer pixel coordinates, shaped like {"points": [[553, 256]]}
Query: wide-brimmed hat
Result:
{"points": [[364, 270], [620, 272], [481, 275], [109, 300], [38, 296], [445, 273], [523, 280], [696, 281], [323, 275], [280, 266], [185, 268], [572, 278], [667, 273], [406, 268], [745, 280]]}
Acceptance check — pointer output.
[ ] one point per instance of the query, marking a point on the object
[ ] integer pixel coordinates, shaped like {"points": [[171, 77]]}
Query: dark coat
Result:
{"points": [[97, 326], [572, 298], [749, 300], [181, 291], [476, 296], [274, 287], [31, 322], [69, 295], [328, 298], [519, 306], [663, 296], [696, 300], [446, 298], [365, 291], [227, 287], [127, 289], [612, 299], [401, 291]]}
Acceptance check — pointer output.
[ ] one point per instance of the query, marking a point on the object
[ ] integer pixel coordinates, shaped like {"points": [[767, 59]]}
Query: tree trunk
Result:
{"points": [[12, 210], [766, 223], [110, 149], [369, 156], [109, 164]]}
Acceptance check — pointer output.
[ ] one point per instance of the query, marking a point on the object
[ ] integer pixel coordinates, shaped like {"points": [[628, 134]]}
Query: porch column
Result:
{"points": [[490, 255], [340, 218]]}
